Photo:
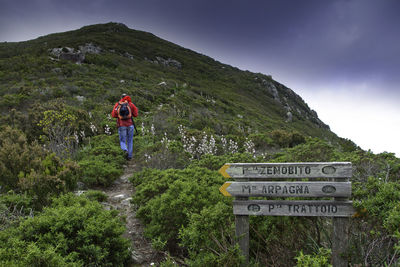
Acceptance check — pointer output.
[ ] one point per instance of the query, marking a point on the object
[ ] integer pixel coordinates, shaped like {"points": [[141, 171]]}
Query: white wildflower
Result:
{"points": [[165, 141], [233, 146], [143, 129], [107, 129], [93, 128], [249, 147]]}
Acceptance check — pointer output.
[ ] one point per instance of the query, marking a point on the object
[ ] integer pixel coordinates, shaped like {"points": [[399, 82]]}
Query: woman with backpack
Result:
{"points": [[124, 110]]}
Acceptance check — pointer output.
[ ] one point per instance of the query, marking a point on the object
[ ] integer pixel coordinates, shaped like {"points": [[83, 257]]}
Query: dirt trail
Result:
{"points": [[119, 198]]}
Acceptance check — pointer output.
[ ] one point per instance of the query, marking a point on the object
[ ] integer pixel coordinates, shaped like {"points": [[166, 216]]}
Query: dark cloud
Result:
{"points": [[320, 39]]}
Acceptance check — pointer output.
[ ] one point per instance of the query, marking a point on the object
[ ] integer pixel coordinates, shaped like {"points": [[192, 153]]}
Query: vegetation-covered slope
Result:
{"points": [[193, 89], [195, 114]]}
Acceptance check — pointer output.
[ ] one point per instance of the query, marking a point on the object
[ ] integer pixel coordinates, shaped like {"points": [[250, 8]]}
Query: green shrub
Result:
{"points": [[166, 156], [73, 231], [166, 199], [210, 237], [214, 162], [16, 156], [380, 201], [319, 259], [313, 150], [29, 168], [102, 161], [96, 195], [14, 207]]}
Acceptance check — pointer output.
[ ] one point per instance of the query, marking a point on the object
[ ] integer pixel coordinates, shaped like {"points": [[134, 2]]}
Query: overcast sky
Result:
{"points": [[341, 56]]}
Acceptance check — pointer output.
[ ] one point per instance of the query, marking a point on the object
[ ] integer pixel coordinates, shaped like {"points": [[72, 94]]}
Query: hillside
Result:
{"points": [[62, 170], [163, 78]]}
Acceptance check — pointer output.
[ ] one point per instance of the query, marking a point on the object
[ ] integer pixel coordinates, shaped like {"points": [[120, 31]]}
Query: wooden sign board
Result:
{"points": [[286, 189], [287, 170], [325, 208]]}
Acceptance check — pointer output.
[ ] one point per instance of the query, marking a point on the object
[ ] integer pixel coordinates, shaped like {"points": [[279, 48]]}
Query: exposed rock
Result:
{"points": [[289, 116], [118, 197], [68, 53], [74, 57], [77, 56], [271, 89], [126, 54], [317, 121], [79, 192], [80, 98], [166, 62], [162, 83], [90, 48], [126, 201]]}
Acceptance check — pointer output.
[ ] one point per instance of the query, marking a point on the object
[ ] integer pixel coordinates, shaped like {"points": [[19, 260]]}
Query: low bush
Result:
{"points": [[14, 207], [73, 231], [209, 237], [96, 195], [101, 161], [167, 199], [320, 259], [29, 168]]}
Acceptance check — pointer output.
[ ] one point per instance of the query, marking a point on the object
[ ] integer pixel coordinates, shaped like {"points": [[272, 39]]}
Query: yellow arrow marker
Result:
{"points": [[223, 171], [223, 188]]}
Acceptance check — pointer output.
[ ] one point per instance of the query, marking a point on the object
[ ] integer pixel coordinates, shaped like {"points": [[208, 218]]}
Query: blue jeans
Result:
{"points": [[126, 139]]}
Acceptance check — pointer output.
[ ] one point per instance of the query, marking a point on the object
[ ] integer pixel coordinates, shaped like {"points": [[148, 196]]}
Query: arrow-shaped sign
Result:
{"points": [[294, 208], [223, 189], [286, 189], [287, 170]]}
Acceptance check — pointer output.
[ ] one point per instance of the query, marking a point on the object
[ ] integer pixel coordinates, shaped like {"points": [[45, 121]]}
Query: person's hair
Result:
{"points": [[123, 95]]}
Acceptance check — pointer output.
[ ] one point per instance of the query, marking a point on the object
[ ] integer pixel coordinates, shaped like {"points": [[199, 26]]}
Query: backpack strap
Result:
{"points": [[134, 126]]}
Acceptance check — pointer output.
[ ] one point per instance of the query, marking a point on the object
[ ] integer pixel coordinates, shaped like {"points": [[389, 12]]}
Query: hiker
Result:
{"points": [[124, 110]]}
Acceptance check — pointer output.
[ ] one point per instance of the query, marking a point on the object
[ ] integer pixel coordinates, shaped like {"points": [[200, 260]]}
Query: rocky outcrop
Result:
{"points": [[68, 53], [77, 56], [292, 104], [126, 54], [90, 48], [272, 89], [166, 62]]}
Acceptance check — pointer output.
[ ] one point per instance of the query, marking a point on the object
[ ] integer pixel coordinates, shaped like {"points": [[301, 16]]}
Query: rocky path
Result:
{"points": [[119, 198]]}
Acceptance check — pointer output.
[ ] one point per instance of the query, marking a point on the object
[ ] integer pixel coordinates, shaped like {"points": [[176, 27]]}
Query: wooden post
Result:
{"points": [[242, 230], [242, 235], [340, 238]]}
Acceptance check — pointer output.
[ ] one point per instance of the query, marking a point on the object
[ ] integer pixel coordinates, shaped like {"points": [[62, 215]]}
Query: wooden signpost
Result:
{"points": [[287, 170], [286, 189], [340, 208]]}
